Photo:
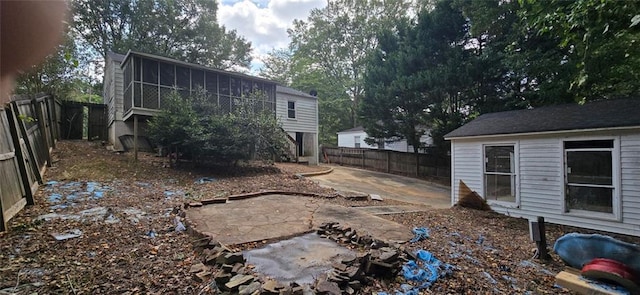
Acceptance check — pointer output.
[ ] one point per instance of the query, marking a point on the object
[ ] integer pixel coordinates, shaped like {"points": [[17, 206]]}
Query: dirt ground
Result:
{"points": [[123, 213]]}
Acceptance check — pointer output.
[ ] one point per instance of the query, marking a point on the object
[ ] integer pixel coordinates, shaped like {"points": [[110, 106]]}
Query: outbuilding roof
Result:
{"points": [[355, 129], [593, 115], [287, 90]]}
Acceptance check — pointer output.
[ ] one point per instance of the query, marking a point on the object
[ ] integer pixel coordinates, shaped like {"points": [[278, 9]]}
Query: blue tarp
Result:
{"points": [[424, 272], [420, 233]]}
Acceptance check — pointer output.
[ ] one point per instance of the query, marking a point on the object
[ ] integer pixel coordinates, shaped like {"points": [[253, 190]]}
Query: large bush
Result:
{"points": [[197, 128]]}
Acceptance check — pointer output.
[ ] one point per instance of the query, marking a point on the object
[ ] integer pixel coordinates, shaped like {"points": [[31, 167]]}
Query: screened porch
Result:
{"points": [[149, 78]]}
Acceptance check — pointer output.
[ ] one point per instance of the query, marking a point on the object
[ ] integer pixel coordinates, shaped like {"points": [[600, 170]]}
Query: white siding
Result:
{"points": [[113, 96], [306, 113], [347, 139], [541, 166], [306, 121], [541, 179], [119, 88], [467, 167], [630, 167]]}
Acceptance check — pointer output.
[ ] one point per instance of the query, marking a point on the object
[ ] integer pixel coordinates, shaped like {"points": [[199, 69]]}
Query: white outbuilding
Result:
{"points": [[572, 164]]}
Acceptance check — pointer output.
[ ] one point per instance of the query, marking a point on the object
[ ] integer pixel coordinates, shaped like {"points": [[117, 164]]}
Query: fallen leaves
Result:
{"points": [[132, 247]]}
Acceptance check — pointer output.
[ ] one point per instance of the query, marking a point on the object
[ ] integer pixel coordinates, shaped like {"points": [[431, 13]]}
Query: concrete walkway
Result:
{"points": [[276, 216], [405, 189]]}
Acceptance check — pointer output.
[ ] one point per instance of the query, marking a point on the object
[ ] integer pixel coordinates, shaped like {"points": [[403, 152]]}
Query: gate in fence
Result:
{"points": [[74, 123]]}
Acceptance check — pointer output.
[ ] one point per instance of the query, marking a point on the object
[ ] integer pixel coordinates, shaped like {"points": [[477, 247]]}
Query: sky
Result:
{"points": [[264, 22]]}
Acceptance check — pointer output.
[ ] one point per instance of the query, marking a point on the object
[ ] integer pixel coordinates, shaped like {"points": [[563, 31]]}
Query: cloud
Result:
{"points": [[264, 22]]}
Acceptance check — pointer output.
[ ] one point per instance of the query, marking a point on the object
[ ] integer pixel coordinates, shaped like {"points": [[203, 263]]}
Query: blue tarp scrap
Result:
{"points": [[420, 233], [425, 271], [202, 180], [54, 198], [489, 278]]}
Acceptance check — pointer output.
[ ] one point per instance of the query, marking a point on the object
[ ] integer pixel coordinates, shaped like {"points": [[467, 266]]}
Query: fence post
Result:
{"points": [[340, 151], [417, 165], [12, 119], [27, 143], [362, 159]]}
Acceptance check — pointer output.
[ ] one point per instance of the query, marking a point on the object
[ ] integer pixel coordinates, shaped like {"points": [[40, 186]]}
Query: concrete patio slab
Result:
{"points": [[388, 186], [394, 209], [275, 216]]}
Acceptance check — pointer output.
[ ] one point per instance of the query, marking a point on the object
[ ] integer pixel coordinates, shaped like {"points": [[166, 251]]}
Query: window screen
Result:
{"points": [[150, 71], [183, 78], [167, 74]]}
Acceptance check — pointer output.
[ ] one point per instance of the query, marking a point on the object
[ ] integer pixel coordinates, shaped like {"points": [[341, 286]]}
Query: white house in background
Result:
{"points": [[573, 164], [355, 138], [136, 83], [298, 114]]}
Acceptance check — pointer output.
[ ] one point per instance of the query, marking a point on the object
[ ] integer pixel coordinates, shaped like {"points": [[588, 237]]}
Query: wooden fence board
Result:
{"points": [[422, 165], [11, 186], [28, 131]]}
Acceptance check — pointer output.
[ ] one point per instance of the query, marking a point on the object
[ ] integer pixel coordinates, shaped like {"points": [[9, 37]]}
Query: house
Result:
{"points": [[355, 138], [573, 164], [136, 83], [298, 114]]}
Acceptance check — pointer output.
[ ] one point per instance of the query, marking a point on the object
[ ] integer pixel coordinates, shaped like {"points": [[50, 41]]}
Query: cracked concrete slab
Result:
{"points": [[388, 186], [394, 209], [275, 216]]}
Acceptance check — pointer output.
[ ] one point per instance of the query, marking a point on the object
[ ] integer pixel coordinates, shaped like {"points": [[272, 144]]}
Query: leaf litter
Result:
{"points": [[122, 220]]}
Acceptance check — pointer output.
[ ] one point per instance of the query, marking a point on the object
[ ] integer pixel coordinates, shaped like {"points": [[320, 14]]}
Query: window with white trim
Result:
{"points": [[356, 141], [589, 176], [291, 109], [499, 173]]}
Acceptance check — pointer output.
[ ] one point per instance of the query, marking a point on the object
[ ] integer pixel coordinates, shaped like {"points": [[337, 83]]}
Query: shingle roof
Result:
{"points": [[115, 56], [598, 114], [287, 90], [359, 128]]}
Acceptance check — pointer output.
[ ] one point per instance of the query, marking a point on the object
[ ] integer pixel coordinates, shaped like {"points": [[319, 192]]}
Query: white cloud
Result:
{"points": [[264, 22]]}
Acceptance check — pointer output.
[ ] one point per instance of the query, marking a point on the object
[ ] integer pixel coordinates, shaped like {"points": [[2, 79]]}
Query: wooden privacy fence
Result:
{"points": [[29, 129], [420, 165]]}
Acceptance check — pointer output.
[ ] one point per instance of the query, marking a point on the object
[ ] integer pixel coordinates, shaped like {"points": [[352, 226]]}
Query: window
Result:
{"points": [[291, 109], [589, 177], [499, 173], [356, 141]]}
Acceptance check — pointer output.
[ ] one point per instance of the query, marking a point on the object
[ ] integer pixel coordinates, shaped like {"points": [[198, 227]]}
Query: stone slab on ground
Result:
{"points": [[275, 216]]}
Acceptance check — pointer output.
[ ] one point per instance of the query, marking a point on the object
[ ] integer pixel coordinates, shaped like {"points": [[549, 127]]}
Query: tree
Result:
{"points": [[197, 128], [278, 66], [338, 37], [417, 78], [600, 41], [186, 30]]}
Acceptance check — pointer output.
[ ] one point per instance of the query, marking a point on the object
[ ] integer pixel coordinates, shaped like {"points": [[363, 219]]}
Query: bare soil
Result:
{"points": [[131, 247]]}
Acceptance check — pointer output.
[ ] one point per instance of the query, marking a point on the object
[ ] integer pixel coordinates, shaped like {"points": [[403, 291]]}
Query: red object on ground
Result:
{"points": [[612, 271]]}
